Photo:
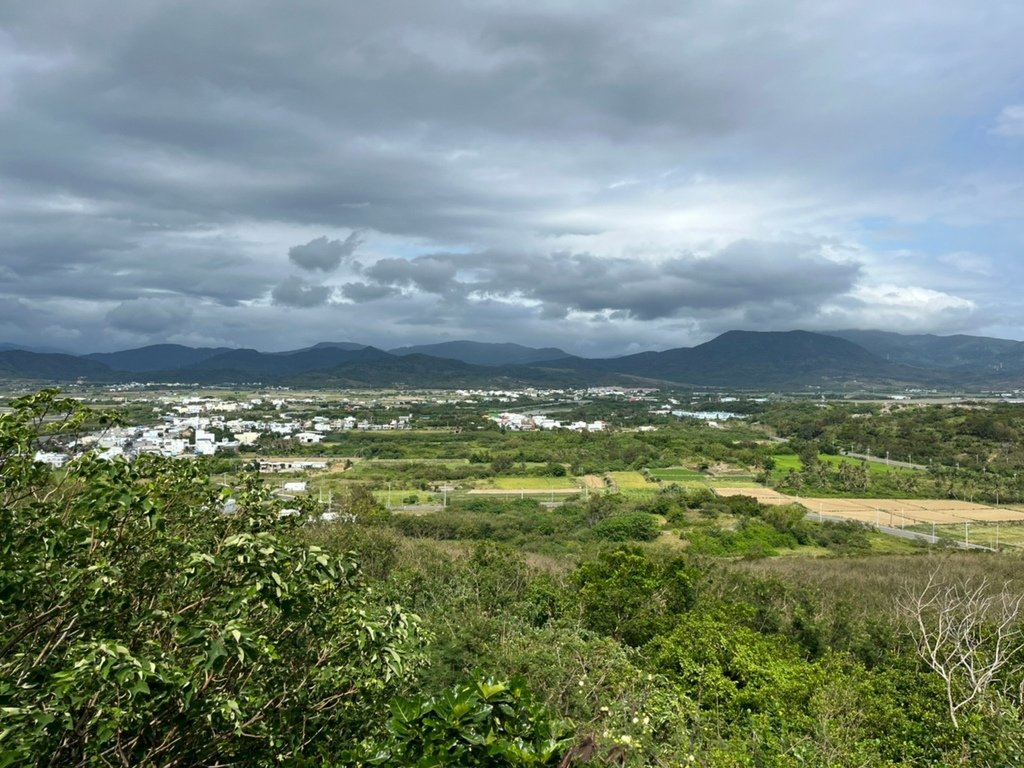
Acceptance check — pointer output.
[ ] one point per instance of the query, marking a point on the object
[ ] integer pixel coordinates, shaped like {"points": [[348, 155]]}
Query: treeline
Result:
{"points": [[968, 451], [582, 452], [973, 436]]}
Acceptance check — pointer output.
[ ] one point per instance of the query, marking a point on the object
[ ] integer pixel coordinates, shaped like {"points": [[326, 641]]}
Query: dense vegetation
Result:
{"points": [[144, 622]]}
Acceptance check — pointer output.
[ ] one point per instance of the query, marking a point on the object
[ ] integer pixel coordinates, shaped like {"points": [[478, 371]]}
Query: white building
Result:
{"points": [[55, 460]]}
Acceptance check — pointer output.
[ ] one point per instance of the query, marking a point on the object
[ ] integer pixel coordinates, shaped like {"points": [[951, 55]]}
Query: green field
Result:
{"points": [[630, 481], [400, 497], [994, 535], [677, 475], [526, 483], [784, 462]]}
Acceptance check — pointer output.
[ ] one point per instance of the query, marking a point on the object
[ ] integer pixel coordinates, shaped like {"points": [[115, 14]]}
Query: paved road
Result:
{"points": [[883, 460]]}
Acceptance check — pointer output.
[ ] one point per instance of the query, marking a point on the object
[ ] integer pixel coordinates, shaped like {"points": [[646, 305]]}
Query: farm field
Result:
{"points": [[680, 475], [763, 495], [398, 497], [522, 491], [903, 513], [733, 481], [784, 462], [535, 483], [994, 535], [631, 481]]}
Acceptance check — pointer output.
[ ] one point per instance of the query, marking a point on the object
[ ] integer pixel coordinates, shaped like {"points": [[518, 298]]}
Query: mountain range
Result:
{"points": [[788, 360]]}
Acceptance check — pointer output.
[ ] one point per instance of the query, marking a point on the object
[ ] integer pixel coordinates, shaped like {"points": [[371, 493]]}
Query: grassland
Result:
{"points": [[786, 462], [534, 483], [679, 475], [630, 481]]}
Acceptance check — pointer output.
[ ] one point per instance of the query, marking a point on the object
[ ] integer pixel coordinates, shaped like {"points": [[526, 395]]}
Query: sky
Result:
{"points": [[601, 176]]}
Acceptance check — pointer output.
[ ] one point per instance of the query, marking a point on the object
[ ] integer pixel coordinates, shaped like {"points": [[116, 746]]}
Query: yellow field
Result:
{"points": [[535, 483], [910, 511], [892, 512], [522, 491], [763, 495], [631, 481]]}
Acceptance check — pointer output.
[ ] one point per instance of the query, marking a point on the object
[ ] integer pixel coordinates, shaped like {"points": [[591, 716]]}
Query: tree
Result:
{"points": [[630, 596], [486, 723], [968, 634]]}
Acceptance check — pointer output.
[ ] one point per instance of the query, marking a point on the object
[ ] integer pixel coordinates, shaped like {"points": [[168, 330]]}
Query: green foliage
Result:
{"points": [[633, 526], [487, 723], [139, 624], [631, 596]]}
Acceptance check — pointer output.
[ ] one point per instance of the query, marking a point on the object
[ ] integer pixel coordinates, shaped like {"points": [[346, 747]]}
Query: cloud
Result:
{"points": [[293, 292], [433, 274], [745, 273], [1010, 121], [904, 309], [964, 261], [150, 316], [359, 292], [323, 254]]}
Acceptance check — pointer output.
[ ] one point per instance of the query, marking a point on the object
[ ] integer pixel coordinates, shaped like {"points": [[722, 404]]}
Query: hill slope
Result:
{"points": [[481, 353], [736, 359], [752, 359], [20, 364], [968, 354], [157, 357]]}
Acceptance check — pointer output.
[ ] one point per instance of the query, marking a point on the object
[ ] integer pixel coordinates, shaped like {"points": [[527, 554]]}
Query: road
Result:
{"points": [[883, 460]]}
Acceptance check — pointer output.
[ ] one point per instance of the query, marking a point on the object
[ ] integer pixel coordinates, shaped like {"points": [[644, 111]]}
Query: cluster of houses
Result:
{"points": [[205, 426], [526, 422]]}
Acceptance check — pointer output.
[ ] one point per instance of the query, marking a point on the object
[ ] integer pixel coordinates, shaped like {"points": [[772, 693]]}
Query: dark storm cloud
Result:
{"points": [[433, 274], [293, 292], [359, 292], [76, 255], [150, 315], [399, 116], [323, 254], [746, 273]]}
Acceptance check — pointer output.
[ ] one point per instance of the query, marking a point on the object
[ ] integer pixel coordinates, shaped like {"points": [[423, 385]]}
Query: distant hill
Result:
{"points": [[346, 345], [424, 371], [254, 364], [736, 359], [971, 355], [20, 364], [7, 347], [158, 357], [481, 353], [751, 359]]}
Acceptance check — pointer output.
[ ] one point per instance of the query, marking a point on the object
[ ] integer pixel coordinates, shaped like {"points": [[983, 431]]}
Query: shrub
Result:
{"points": [[633, 526]]}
